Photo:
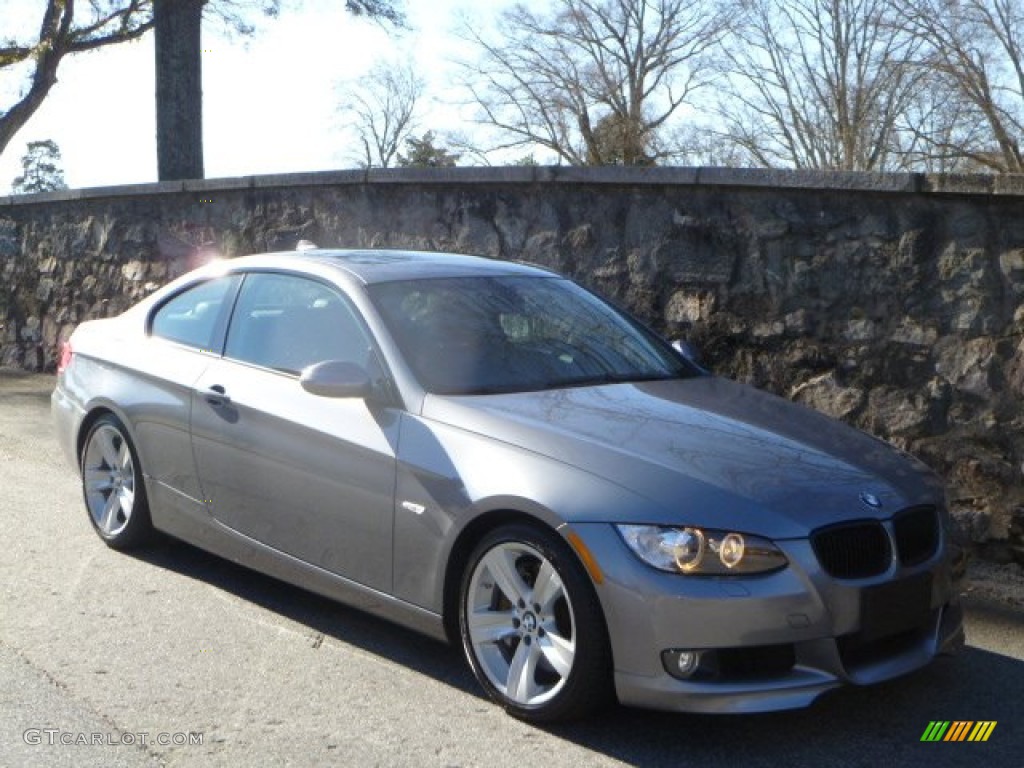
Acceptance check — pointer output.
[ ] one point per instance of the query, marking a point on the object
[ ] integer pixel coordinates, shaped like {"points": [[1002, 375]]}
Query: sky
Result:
{"points": [[270, 101]]}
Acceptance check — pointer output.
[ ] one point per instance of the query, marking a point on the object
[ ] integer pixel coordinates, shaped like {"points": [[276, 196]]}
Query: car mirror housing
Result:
{"points": [[336, 378]]}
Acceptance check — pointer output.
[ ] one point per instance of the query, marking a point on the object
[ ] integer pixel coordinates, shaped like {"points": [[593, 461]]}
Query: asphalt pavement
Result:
{"points": [[174, 657]]}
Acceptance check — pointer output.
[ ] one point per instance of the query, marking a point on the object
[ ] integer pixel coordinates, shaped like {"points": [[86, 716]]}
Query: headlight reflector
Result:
{"points": [[731, 551], [688, 548], [701, 551]]}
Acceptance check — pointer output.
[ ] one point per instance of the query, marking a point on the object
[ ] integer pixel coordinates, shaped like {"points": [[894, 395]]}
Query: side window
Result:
{"points": [[191, 316], [286, 322]]}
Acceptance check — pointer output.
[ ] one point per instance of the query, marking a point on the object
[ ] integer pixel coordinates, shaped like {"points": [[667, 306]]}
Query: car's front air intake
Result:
{"points": [[854, 550], [862, 549], [916, 531]]}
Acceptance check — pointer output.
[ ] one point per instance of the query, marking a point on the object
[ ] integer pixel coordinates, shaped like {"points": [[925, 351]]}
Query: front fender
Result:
{"points": [[448, 479]]}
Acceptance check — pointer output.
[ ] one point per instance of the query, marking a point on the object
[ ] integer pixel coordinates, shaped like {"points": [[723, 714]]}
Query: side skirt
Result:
{"points": [[185, 518]]}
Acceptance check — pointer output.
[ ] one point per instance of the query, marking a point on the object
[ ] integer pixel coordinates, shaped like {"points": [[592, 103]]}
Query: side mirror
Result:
{"points": [[687, 350], [336, 378]]}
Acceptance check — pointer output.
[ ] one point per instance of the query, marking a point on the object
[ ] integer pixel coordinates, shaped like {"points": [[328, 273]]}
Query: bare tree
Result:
{"points": [[819, 83], [977, 49], [382, 110], [65, 29], [68, 27], [937, 127], [593, 81], [700, 143]]}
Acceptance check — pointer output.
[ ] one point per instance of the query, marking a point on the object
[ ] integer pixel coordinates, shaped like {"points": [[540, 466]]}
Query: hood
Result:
{"points": [[707, 451]]}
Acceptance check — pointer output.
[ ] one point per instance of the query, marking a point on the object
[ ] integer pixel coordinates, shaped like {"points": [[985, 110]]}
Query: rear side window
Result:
{"points": [[191, 317]]}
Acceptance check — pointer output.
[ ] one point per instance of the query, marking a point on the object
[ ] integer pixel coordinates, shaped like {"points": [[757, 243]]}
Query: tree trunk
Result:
{"points": [[179, 89]]}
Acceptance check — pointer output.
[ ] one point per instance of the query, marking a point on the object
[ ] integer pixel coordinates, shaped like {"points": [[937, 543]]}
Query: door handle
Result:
{"points": [[217, 395]]}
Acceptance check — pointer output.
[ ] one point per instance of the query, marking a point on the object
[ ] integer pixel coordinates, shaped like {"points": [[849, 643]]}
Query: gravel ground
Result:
{"points": [[991, 583]]}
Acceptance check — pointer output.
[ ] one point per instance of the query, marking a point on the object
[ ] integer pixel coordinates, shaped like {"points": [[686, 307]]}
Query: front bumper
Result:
{"points": [[778, 641]]}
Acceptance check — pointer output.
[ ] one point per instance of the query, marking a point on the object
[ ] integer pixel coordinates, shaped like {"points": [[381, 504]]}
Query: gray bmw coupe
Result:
{"points": [[488, 453]]}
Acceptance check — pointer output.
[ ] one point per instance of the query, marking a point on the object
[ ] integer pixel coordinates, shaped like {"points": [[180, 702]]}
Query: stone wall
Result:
{"points": [[893, 302]]}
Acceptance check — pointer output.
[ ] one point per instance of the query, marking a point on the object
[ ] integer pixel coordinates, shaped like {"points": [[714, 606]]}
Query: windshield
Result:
{"points": [[474, 335]]}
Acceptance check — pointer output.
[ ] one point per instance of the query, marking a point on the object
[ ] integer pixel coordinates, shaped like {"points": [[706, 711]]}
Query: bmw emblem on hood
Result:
{"points": [[871, 500]]}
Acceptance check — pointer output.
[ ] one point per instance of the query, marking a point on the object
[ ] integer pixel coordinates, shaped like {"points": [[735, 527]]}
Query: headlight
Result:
{"points": [[700, 550]]}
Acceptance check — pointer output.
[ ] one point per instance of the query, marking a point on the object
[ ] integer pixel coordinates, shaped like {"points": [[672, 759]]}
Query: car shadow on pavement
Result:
{"points": [[877, 725], [322, 615]]}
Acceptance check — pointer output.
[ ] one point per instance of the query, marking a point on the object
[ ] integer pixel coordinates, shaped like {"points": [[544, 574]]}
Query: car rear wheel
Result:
{"points": [[531, 626], [115, 496]]}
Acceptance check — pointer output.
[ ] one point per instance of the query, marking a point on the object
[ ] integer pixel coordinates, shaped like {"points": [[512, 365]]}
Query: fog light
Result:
{"points": [[681, 664], [686, 662], [731, 551]]}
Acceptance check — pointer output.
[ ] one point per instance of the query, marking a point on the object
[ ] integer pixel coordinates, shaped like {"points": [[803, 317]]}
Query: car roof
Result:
{"points": [[380, 265]]}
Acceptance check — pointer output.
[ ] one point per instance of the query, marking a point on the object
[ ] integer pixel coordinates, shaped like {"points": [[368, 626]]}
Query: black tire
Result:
{"points": [[112, 486], [549, 657]]}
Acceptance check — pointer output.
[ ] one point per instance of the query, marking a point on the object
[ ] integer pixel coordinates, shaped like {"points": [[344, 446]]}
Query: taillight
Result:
{"points": [[66, 353]]}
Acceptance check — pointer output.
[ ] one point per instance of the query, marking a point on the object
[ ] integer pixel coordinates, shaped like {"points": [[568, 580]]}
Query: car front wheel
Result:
{"points": [[531, 626], [112, 485]]}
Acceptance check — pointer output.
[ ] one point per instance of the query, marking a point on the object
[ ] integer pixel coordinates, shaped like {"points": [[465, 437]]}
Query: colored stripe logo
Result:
{"points": [[958, 730]]}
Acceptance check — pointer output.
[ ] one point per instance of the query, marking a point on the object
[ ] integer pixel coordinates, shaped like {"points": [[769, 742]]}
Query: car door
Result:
{"points": [[184, 336], [310, 476]]}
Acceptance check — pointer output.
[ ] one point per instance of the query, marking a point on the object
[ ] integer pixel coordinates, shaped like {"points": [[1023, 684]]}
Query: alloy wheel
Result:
{"points": [[520, 623], [108, 477]]}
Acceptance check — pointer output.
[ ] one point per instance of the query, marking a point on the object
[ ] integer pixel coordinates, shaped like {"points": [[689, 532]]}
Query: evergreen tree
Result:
{"points": [[40, 169], [424, 153]]}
